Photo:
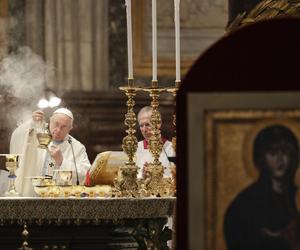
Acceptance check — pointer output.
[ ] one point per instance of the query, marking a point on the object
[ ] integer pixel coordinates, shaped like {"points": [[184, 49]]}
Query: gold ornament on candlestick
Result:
{"points": [[126, 182], [172, 187], [154, 182]]}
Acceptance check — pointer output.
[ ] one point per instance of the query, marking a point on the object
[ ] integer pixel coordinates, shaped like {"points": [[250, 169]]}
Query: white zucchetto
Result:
{"points": [[64, 111]]}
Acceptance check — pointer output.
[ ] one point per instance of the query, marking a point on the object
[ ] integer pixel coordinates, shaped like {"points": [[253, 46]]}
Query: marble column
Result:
{"points": [[74, 40]]}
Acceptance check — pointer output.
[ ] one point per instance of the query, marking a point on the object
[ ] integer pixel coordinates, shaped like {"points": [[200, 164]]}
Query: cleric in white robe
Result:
{"points": [[65, 152], [143, 155]]}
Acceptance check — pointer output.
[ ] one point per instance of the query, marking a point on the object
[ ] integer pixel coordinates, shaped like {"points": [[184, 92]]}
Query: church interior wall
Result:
{"points": [[84, 44]]}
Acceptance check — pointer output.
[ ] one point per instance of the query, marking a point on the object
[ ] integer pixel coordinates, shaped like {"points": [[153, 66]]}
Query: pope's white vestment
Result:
{"points": [[32, 159]]}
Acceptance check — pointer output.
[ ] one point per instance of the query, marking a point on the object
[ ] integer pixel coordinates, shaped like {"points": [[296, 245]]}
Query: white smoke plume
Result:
{"points": [[23, 75]]}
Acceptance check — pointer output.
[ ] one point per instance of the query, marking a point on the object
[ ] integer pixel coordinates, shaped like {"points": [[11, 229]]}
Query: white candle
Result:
{"points": [[129, 39], [177, 38], [154, 42]]}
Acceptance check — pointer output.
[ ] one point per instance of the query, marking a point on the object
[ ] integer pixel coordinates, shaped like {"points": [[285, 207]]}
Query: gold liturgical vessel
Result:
{"points": [[44, 138], [42, 184], [43, 135], [11, 164]]}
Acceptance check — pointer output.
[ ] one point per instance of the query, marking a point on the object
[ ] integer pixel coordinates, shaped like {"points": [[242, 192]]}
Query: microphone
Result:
{"points": [[76, 170]]}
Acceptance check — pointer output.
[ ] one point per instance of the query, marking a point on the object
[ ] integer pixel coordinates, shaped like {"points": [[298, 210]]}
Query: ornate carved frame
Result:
{"points": [[220, 138]]}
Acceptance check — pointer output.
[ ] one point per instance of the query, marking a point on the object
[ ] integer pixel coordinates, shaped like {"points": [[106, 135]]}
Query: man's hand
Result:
{"points": [[38, 116], [56, 154]]}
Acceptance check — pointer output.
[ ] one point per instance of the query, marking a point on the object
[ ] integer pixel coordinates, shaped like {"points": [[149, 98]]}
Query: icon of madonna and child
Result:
{"points": [[264, 216]]}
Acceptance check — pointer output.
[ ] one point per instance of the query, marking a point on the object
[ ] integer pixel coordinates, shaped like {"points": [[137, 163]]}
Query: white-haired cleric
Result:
{"points": [[65, 152]]}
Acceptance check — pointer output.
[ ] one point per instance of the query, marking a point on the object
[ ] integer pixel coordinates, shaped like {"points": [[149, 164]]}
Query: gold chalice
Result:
{"points": [[43, 135], [11, 165], [63, 180], [54, 191], [104, 191], [66, 190], [77, 190], [44, 139], [91, 191]]}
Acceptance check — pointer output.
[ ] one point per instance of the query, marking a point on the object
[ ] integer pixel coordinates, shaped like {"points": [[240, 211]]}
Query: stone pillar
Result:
{"points": [[74, 39], [3, 28]]}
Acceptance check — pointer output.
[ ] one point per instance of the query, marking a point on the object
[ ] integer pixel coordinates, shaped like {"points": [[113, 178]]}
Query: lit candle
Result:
{"points": [[129, 39], [177, 38], [154, 42]]}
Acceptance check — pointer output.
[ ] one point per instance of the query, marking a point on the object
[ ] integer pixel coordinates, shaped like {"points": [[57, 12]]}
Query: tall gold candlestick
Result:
{"points": [[126, 182], [154, 183]]}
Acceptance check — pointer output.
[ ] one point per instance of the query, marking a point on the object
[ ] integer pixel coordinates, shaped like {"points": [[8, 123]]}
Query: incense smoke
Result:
{"points": [[23, 75]]}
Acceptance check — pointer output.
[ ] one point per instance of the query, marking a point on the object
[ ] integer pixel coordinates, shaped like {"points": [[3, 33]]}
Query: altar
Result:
{"points": [[85, 223]]}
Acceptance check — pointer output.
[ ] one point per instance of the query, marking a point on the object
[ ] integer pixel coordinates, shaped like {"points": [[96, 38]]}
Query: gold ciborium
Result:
{"points": [[44, 139], [43, 135], [11, 164]]}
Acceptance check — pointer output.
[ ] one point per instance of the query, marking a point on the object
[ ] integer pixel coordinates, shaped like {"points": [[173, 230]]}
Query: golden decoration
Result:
{"points": [[126, 182], [267, 9], [25, 235], [43, 135], [154, 183]]}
